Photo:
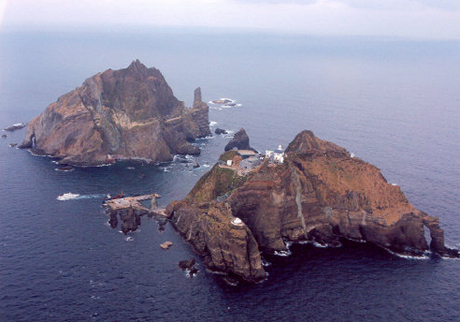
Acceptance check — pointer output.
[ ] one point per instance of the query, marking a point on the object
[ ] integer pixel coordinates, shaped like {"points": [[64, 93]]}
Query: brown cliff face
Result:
{"points": [[127, 113], [320, 193], [225, 246]]}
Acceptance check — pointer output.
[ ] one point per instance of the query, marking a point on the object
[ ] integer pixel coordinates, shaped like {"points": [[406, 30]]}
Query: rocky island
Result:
{"points": [[119, 114], [317, 193]]}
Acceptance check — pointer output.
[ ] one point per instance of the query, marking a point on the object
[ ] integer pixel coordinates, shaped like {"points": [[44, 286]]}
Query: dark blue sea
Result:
{"points": [[392, 102]]}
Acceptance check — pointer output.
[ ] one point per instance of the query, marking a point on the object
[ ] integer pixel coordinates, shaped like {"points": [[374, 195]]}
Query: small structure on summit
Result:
{"points": [[237, 222], [276, 156]]}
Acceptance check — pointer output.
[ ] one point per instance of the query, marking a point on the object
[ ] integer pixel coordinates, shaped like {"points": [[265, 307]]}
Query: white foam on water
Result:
{"points": [[352, 155], [318, 245], [104, 165], [93, 196], [230, 101], [212, 123], [188, 271], [129, 239], [283, 253], [361, 241], [394, 184], [63, 170], [425, 255]]}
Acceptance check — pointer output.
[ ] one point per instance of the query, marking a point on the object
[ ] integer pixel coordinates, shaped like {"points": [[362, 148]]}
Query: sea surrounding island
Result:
{"points": [[390, 102]]}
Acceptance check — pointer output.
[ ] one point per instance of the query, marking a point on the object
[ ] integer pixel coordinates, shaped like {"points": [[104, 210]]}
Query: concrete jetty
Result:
{"points": [[134, 205], [131, 202], [129, 210]]}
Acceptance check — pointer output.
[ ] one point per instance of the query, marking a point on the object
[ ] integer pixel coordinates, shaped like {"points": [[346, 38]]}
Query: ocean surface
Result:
{"points": [[392, 102]]}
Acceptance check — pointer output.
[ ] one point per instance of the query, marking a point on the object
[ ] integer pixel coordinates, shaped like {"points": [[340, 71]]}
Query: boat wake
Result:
{"points": [[77, 196]]}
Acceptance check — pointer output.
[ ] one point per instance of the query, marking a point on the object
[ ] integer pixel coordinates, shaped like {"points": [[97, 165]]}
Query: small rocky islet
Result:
{"points": [[247, 205]]}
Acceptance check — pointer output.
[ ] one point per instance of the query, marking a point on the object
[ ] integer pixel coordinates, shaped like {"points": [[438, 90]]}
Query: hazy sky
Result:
{"points": [[406, 18]]}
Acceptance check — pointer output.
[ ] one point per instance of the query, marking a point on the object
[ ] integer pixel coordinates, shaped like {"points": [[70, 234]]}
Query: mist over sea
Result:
{"points": [[392, 102]]}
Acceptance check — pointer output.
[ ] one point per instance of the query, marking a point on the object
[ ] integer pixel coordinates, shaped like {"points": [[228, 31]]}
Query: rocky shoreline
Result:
{"points": [[129, 113], [319, 194]]}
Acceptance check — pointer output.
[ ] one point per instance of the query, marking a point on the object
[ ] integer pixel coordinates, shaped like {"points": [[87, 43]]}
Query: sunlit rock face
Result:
{"points": [[126, 113], [320, 193]]}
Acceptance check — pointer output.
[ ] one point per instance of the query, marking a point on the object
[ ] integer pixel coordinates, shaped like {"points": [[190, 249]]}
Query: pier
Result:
{"points": [[128, 211], [133, 203]]}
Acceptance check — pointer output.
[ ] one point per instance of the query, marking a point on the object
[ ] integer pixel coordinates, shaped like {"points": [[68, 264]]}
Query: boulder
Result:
{"points": [[240, 141], [219, 131], [166, 245]]}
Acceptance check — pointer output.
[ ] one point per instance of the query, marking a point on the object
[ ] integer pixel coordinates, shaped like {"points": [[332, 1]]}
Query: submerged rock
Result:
{"points": [[189, 266], [15, 126], [126, 113], [319, 194], [219, 131]]}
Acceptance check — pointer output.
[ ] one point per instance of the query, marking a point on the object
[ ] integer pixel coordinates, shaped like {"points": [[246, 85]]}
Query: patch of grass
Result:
{"points": [[229, 155]]}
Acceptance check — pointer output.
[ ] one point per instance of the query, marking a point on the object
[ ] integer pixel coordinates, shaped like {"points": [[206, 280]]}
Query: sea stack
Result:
{"points": [[126, 113], [240, 141], [317, 193]]}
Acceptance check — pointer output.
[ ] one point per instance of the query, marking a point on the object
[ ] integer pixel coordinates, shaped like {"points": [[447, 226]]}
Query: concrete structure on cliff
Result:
{"points": [[276, 156]]}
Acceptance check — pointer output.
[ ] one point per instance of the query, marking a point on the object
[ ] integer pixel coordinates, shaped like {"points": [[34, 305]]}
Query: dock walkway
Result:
{"points": [[131, 202]]}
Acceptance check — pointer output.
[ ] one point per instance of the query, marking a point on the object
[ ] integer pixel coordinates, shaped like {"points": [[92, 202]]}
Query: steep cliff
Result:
{"points": [[126, 113], [319, 194]]}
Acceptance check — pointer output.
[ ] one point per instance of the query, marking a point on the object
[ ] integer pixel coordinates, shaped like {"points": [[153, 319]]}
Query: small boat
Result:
{"points": [[67, 196], [120, 195]]}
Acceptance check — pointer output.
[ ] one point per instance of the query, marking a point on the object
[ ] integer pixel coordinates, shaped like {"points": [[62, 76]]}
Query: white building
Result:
{"points": [[278, 155]]}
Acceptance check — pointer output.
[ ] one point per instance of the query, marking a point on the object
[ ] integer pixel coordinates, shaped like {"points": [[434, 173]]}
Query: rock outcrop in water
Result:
{"points": [[240, 141], [126, 113], [319, 194]]}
